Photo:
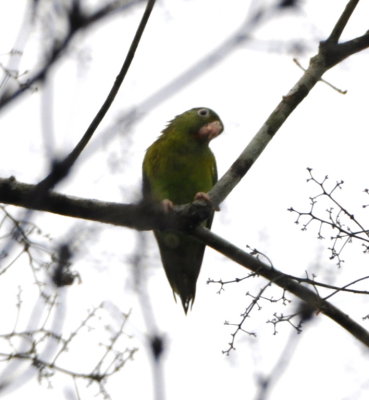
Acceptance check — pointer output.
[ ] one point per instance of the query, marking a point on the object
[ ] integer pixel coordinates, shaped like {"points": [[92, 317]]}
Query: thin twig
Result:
{"points": [[284, 281], [340, 91], [80, 22], [63, 167]]}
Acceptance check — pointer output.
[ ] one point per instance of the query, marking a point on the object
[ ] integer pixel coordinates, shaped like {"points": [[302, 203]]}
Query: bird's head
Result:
{"points": [[200, 123]]}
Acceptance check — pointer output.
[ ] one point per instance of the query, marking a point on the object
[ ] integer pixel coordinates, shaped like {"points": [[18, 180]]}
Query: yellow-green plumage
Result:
{"points": [[177, 166]]}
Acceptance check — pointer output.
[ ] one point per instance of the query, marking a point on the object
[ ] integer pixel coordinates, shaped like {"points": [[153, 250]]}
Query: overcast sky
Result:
{"points": [[327, 132]]}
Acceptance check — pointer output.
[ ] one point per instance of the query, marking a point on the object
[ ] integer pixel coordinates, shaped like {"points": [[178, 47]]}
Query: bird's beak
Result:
{"points": [[211, 130]]}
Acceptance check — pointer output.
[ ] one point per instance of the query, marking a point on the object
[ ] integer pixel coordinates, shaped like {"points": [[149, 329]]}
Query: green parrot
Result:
{"points": [[178, 168]]}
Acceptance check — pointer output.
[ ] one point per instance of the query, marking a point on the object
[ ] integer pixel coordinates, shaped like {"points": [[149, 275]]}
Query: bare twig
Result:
{"points": [[62, 168], [77, 22], [329, 54], [338, 218], [280, 279]]}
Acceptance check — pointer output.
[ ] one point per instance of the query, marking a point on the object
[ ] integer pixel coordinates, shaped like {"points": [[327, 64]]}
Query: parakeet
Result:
{"points": [[179, 167]]}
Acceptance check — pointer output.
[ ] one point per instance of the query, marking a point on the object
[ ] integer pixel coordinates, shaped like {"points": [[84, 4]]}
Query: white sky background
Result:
{"points": [[327, 132]]}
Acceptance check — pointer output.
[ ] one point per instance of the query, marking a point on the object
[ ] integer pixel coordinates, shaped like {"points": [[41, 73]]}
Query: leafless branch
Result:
{"points": [[284, 281], [329, 54], [77, 21], [346, 226]]}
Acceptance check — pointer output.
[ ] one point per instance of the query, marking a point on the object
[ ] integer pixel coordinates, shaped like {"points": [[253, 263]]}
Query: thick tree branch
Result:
{"points": [[335, 53], [266, 133], [140, 216], [149, 216], [284, 281]]}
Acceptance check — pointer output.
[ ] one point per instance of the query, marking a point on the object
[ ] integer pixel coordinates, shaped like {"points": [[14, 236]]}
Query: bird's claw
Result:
{"points": [[206, 198], [167, 205]]}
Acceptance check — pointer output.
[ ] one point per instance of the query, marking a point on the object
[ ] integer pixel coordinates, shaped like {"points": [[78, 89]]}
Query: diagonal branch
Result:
{"points": [[78, 22], [329, 54], [266, 133], [62, 168], [142, 216], [284, 281], [342, 21]]}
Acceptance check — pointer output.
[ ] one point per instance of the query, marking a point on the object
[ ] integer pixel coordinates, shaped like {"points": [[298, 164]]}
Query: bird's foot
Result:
{"points": [[167, 205], [206, 198]]}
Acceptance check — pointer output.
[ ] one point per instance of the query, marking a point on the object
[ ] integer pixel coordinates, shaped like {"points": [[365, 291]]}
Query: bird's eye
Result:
{"points": [[203, 112]]}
